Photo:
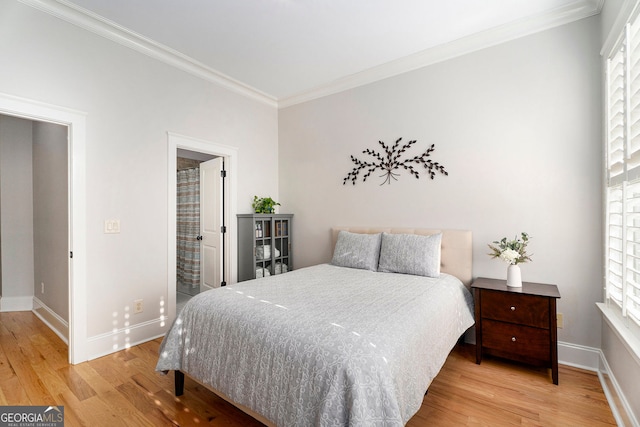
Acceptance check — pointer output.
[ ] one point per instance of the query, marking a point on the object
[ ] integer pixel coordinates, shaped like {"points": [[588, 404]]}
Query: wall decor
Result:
{"points": [[390, 161]]}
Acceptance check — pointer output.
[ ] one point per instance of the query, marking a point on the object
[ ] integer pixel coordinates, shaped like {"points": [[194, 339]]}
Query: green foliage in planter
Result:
{"points": [[264, 205]]}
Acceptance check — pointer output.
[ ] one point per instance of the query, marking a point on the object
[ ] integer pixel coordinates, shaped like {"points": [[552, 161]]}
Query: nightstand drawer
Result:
{"points": [[516, 339], [515, 308]]}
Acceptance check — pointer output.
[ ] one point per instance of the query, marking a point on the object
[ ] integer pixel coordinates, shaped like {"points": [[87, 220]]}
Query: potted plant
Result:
{"points": [[264, 205]]}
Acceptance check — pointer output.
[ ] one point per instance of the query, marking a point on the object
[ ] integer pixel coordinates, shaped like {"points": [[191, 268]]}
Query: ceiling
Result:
{"points": [[285, 48]]}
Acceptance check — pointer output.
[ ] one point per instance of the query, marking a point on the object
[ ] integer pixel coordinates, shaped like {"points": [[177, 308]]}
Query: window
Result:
{"points": [[622, 242]]}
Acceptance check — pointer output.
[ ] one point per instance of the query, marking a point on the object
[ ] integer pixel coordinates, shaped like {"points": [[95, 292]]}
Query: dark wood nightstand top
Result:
{"points": [[528, 288]]}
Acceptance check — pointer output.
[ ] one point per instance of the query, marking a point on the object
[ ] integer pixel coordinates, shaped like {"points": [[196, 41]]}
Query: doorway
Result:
{"points": [[200, 252], [75, 123], [205, 152], [188, 222], [34, 220]]}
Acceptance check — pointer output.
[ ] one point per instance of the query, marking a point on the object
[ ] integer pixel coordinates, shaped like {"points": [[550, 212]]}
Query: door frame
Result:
{"points": [[75, 121], [230, 155]]}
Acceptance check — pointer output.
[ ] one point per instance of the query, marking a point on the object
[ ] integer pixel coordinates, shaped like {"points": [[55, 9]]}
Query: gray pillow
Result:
{"points": [[410, 254], [357, 250]]}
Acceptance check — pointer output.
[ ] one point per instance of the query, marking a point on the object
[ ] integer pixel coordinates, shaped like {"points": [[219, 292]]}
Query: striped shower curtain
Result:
{"points": [[188, 228]]}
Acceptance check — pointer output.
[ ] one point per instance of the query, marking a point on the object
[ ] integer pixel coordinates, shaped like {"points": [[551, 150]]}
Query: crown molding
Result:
{"points": [[575, 11], [90, 21], [103, 27]]}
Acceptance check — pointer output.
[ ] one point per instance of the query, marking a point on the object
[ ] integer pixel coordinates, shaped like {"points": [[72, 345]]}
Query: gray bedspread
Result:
{"points": [[323, 345]]}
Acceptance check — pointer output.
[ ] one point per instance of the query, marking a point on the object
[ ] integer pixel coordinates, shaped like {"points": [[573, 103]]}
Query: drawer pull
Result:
{"points": [[513, 339], [513, 308]]}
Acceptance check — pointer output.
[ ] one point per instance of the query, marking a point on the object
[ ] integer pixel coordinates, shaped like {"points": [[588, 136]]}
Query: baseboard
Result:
{"points": [[123, 338], [617, 401], [16, 303], [579, 356], [50, 318]]}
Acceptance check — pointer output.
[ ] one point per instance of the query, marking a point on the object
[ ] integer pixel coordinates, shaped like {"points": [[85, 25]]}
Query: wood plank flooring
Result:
{"points": [[124, 389]]}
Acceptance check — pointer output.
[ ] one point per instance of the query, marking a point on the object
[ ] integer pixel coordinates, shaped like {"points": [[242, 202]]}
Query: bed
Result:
{"points": [[351, 342]]}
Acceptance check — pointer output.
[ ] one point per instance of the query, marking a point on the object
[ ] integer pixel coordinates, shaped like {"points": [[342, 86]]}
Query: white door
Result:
{"points": [[210, 223]]}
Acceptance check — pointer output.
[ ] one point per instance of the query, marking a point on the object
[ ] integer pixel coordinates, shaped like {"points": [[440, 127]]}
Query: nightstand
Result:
{"points": [[517, 323]]}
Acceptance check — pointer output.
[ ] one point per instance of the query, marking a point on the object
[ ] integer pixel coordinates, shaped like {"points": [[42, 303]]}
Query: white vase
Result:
{"points": [[514, 279]]}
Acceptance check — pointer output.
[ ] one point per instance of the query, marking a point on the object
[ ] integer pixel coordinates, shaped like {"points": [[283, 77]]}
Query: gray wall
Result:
{"points": [[518, 128], [51, 216], [34, 214], [16, 214]]}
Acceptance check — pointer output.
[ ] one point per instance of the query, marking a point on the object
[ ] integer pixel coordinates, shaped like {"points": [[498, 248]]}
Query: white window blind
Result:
{"points": [[633, 103], [615, 248], [616, 116], [631, 295], [622, 243]]}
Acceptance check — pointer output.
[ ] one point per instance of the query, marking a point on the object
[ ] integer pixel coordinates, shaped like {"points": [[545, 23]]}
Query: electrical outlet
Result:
{"points": [[111, 226], [560, 320], [42, 286], [137, 306]]}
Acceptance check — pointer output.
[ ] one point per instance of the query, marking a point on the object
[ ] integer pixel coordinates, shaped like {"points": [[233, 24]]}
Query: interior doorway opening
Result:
{"points": [[188, 222], [200, 224], [34, 220], [213, 155], [75, 123]]}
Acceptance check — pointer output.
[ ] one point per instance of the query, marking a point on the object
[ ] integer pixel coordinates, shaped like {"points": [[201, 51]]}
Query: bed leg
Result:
{"points": [[179, 383]]}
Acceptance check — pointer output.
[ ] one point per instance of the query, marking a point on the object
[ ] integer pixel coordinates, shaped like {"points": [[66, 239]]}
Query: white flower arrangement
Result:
{"points": [[513, 251]]}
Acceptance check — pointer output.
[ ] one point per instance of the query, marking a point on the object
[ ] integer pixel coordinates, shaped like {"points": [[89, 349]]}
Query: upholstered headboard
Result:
{"points": [[457, 251]]}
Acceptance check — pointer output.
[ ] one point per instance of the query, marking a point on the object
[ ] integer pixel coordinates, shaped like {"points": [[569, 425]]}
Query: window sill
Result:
{"points": [[629, 339]]}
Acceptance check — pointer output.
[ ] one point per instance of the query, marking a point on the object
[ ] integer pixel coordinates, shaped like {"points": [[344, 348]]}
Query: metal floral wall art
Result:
{"points": [[390, 163]]}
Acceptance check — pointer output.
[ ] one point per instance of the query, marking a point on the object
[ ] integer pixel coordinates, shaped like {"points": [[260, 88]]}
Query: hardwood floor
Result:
{"points": [[503, 393], [124, 389]]}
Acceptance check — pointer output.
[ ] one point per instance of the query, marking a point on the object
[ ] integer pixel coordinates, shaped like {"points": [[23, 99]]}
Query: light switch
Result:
{"points": [[111, 226]]}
